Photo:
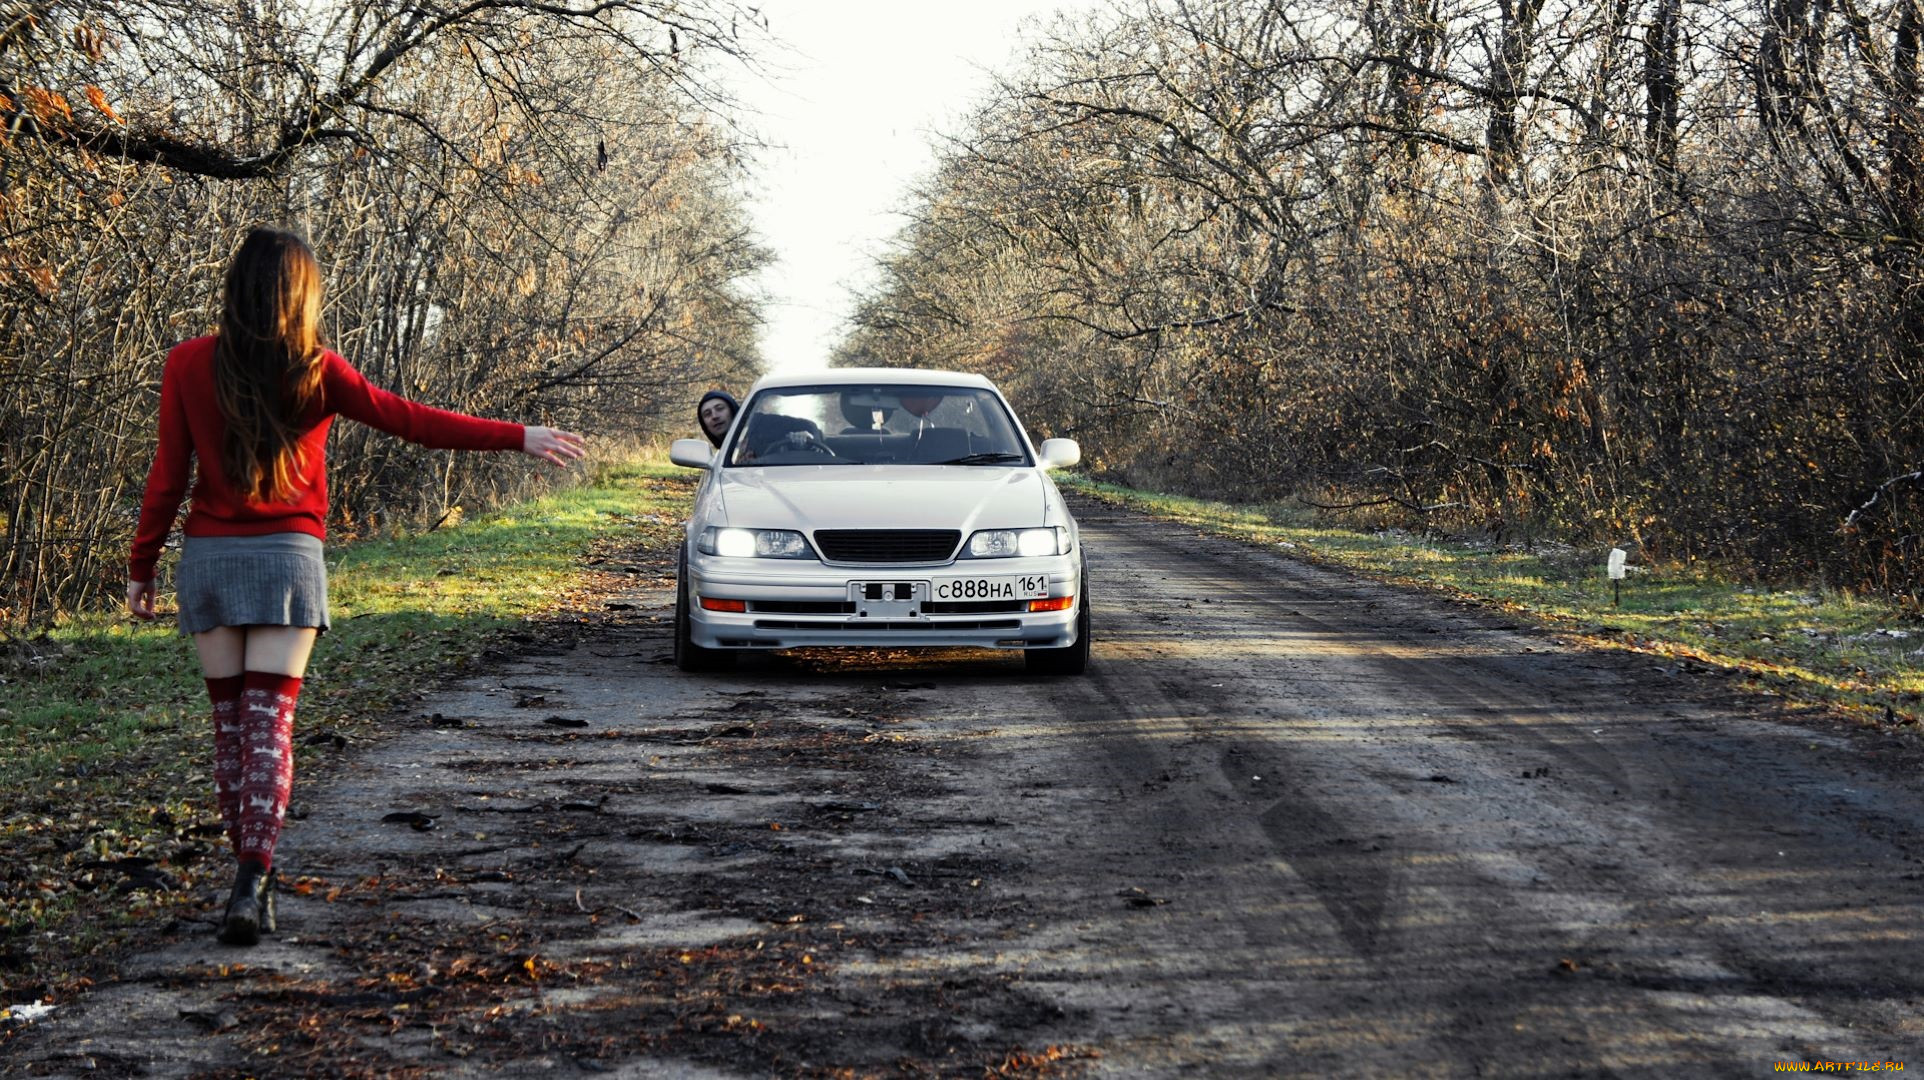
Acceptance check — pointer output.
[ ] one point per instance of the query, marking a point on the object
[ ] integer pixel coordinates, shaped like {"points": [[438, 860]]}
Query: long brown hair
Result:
{"points": [[267, 361]]}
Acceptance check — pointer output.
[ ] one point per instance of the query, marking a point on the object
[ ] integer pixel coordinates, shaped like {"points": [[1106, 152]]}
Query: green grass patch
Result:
{"points": [[105, 752], [1811, 644]]}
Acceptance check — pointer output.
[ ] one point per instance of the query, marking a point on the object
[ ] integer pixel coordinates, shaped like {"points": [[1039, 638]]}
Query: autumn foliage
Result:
{"points": [[1641, 272], [523, 210]]}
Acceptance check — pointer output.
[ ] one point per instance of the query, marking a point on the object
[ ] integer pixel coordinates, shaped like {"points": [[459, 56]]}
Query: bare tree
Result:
{"points": [[523, 208], [1635, 269]]}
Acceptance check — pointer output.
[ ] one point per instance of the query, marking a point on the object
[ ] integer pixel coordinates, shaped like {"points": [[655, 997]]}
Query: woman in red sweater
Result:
{"points": [[251, 406]]}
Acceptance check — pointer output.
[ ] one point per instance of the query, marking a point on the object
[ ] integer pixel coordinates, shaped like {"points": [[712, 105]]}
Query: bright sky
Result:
{"points": [[853, 108]]}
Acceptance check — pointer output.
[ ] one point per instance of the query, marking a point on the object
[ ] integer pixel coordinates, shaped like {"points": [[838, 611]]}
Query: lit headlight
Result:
{"points": [[754, 543], [1010, 543]]}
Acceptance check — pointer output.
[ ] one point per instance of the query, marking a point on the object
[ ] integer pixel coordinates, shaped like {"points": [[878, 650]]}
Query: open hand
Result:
{"points": [[140, 599], [552, 444]]}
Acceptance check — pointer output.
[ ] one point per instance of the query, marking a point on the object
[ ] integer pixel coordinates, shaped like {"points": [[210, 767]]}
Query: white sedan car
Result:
{"points": [[880, 507]]}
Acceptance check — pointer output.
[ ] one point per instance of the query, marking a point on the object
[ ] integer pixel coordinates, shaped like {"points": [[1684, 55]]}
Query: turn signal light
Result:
{"points": [[711, 603], [1053, 603]]}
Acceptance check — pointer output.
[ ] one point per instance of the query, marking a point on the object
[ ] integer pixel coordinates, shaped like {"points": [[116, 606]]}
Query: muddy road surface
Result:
{"points": [[1292, 823]]}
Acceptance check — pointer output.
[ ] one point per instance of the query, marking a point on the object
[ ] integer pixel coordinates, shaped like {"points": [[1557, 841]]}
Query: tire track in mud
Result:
{"points": [[1292, 823]]}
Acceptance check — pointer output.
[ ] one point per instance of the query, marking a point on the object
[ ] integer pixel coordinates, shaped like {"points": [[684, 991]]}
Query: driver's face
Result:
{"points": [[715, 416]]}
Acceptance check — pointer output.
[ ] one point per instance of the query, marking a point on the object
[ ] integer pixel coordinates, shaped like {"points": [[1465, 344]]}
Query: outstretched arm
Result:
{"points": [[351, 395]]}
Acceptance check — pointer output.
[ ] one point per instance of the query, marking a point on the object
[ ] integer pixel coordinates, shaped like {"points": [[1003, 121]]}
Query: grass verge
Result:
{"points": [[106, 803], [1811, 645]]}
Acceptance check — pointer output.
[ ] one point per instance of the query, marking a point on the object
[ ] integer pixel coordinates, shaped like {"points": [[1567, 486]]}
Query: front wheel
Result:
{"points": [[688, 655], [1071, 659]]}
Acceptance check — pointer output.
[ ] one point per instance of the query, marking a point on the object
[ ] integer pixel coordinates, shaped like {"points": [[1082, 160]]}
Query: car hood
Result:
{"points": [[810, 497]]}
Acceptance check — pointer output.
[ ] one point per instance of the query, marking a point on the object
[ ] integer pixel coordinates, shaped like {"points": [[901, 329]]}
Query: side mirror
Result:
{"points": [[694, 453], [1059, 453]]}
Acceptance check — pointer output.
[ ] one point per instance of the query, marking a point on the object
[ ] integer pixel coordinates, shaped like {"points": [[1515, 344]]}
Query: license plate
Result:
{"points": [[1015, 587]]}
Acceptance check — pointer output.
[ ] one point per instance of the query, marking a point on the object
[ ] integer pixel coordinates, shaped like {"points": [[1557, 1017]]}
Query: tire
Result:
{"points": [[1071, 659], [688, 655]]}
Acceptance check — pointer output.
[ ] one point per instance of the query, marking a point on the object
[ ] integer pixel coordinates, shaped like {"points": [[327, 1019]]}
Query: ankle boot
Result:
{"points": [[267, 903], [242, 923]]}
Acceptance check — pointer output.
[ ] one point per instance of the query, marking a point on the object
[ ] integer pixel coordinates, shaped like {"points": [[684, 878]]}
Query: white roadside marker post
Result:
{"points": [[1615, 567]]}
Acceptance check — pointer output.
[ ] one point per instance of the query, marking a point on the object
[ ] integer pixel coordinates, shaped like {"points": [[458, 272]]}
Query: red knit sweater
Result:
{"points": [[192, 429]]}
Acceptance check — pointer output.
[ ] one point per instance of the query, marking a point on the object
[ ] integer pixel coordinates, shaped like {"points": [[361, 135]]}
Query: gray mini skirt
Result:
{"points": [[279, 579]]}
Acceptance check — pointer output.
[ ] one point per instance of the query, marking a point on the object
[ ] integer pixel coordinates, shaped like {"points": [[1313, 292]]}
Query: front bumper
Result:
{"points": [[807, 603]]}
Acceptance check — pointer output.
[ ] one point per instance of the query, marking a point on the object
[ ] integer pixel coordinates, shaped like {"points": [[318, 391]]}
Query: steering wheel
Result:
{"points": [[801, 442]]}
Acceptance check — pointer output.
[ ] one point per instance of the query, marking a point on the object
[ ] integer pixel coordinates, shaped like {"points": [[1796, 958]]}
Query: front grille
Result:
{"points": [[887, 545], [802, 607]]}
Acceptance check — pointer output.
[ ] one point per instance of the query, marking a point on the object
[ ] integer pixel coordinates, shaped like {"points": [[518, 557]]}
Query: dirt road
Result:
{"points": [[1291, 823]]}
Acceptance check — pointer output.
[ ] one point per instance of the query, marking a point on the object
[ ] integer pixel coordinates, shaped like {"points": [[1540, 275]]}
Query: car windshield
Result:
{"points": [[877, 425]]}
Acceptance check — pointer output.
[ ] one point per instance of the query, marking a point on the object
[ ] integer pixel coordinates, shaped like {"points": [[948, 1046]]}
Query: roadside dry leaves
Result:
{"points": [[107, 826]]}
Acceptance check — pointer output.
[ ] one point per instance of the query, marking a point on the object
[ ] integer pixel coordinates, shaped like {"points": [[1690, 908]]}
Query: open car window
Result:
{"points": [[876, 425]]}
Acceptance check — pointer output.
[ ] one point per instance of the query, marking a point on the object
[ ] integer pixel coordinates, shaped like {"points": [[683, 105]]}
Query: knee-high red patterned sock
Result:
{"points": [[267, 761], [225, 693]]}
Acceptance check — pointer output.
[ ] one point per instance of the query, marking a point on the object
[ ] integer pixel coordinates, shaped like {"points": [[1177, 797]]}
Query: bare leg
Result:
{"points": [[222, 650], [281, 650]]}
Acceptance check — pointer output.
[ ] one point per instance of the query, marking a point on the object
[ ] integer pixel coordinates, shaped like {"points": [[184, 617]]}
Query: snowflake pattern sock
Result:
{"points": [[225, 694], [267, 762]]}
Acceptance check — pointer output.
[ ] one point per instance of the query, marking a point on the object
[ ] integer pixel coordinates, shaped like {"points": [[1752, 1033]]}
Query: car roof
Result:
{"points": [[871, 376]]}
